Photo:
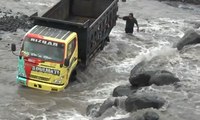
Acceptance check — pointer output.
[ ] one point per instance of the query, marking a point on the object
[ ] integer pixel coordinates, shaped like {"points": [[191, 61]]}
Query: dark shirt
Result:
{"points": [[130, 22]]}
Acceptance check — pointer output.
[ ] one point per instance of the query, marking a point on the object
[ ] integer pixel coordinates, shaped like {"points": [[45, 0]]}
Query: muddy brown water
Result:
{"points": [[161, 26]]}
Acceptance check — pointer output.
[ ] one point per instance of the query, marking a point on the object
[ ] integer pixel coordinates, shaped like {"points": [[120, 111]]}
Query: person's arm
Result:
{"points": [[124, 17]]}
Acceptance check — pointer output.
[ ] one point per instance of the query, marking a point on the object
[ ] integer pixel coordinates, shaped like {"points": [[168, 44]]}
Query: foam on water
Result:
{"points": [[103, 91], [118, 115], [148, 54], [59, 115]]}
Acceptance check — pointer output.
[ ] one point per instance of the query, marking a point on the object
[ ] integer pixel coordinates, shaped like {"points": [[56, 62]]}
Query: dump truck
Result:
{"points": [[65, 38]]}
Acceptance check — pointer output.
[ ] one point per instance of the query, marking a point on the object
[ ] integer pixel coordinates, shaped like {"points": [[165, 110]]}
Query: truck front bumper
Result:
{"points": [[39, 85]]}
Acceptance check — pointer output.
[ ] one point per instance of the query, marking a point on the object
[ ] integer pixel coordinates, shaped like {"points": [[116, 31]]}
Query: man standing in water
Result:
{"points": [[130, 21]]}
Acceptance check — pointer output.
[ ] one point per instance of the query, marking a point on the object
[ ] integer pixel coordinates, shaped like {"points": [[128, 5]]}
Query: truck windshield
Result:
{"points": [[43, 49]]}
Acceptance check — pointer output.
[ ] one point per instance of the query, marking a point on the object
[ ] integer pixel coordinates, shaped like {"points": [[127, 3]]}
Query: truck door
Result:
{"points": [[72, 54]]}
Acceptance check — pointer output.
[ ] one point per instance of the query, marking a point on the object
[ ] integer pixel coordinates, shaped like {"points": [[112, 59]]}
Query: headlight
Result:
{"points": [[59, 81]]}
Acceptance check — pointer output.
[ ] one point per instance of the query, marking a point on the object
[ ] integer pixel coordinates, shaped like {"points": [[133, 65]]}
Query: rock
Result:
{"points": [[93, 109], [106, 105], [141, 79], [190, 37], [137, 102], [163, 78], [147, 78], [137, 69], [139, 118], [151, 115], [124, 90], [11, 22], [108, 113], [102, 110]]}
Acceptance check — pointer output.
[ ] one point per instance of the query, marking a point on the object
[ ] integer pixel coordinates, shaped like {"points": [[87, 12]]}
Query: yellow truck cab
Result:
{"points": [[47, 58], [68, 35]]}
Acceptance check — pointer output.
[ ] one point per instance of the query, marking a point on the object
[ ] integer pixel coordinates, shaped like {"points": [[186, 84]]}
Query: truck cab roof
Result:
{"points": [[50, 32]]}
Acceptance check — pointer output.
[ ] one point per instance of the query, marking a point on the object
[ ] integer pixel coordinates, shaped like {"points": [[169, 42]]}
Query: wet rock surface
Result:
{"points": [[140, 77], [93, 109], [147, 78], [131, 104], [150, 115], [137, 102], [124, 90], [163, 78], [190, 37], [10, 21]]}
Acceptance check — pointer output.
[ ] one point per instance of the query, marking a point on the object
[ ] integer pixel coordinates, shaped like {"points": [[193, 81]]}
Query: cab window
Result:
{"points": [[71, 48]]}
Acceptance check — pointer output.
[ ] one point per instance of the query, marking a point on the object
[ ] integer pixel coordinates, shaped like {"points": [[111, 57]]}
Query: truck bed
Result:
{"points": [[79, 19]]}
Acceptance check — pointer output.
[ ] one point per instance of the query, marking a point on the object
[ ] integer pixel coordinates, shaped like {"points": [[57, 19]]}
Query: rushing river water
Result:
{"points": [[161, 26]]}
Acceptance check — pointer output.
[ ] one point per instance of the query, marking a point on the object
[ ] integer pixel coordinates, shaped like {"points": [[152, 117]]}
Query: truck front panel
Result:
{"points": [[41, 63]]}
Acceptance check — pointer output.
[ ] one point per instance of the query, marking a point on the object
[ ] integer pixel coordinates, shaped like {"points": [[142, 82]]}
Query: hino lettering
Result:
{"points": [[46, 70], [44, 42]]}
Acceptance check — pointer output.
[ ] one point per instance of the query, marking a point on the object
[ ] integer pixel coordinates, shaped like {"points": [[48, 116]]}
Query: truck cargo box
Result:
{"points": [[92, 20]]}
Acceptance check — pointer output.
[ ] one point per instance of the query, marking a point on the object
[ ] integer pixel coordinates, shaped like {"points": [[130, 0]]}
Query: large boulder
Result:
{"points": [[151, 115], [142, 101], [190, 37], [163, 78], [101, 110], [124, 90], [141, 79], [108, 103], [139, 76], [157, 77], [138, 69]]}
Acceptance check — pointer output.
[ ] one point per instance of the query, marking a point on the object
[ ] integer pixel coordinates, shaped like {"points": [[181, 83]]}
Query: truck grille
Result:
{"points": [[39, 77]]}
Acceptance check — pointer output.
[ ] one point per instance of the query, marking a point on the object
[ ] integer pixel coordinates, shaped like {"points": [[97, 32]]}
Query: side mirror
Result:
{"points": [[66, 62], [13, 47]]}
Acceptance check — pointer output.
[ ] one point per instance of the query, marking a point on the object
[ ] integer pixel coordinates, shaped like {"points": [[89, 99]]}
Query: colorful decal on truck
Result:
{"points": [[21, 78], [40, 60], [46, 70]]}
